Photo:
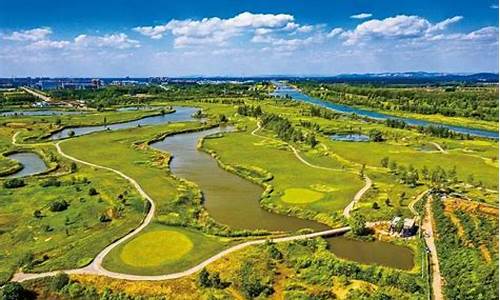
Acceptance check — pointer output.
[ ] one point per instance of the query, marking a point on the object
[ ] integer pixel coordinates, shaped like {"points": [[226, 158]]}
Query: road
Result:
{"points": [[37, 94], [439, 147], [430, 242]]}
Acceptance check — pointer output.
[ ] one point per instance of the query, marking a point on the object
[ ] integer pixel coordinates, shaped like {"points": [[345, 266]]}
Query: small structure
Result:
{"points": [[403, 227]]}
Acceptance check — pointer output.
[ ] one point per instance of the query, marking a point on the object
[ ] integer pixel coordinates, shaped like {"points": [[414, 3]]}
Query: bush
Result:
{"points": [[13, 183], [59, 281], [103, 218], [93, 192], [15, 291], [50, 182], [58, 205]]}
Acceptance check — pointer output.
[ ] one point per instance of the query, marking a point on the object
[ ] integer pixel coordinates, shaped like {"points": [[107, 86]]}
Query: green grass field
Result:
{"points": [[163, 249]]}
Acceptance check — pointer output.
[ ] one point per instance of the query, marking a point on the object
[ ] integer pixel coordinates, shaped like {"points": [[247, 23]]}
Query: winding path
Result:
{"points": [[357, 197], [96, 268], [438, 147]]}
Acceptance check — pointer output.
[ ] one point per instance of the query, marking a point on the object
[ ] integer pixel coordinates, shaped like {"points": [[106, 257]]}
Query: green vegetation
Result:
{"points": [[477, 102], [467, 247]]}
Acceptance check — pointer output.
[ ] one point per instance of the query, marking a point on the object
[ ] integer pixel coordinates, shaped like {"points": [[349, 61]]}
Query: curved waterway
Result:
{"points": [[229, 199], [32, 164], [376, 252], [283, 90], [181, 114]]}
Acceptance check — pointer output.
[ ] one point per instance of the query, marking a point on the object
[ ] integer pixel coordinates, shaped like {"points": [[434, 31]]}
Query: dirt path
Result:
{"points": [[37, 94], [427, 226], [439, 147], [411, 205]]}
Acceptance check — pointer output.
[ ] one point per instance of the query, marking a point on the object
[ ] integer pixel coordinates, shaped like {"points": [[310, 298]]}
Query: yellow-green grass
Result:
{"points": [[70, 238], [178, 249], [155, 248], [371, 154], [300, 196], [115, 150], [289, 172]]}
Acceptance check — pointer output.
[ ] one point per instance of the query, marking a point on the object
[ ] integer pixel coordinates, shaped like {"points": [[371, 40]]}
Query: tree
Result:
{"points": [[384, 162], [375, 205], [37, 214], [393, 166], [358, 224], [222, 118], [14, 291], [71, 133], [58, 205], [362, 171], [376, 135], [73, 167], [204, 278]]}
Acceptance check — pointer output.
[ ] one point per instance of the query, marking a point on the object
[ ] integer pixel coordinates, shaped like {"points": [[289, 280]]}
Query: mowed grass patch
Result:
{"points": [[155, 248], [176, 249], [288, 172], [301, 196]]}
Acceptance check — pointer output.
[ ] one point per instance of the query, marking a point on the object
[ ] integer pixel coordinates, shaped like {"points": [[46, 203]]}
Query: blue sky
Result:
{"points": [[243, 38]]}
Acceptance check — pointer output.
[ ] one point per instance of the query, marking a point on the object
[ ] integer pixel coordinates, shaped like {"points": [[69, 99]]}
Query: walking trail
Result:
{"points": [[439, 147], [96, 268]]}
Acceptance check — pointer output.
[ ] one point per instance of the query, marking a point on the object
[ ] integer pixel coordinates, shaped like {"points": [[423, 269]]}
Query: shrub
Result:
{"points": [[13, 183], [93, 192], [58, 205], [50, 182], [14, 291], [59, 281]]}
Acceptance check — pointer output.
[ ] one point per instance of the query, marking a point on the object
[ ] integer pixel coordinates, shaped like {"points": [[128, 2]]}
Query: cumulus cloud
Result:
{"points": [[216, 30], [398, 27], [335, 32], [118, 41], [34, 34], [361, 16]]}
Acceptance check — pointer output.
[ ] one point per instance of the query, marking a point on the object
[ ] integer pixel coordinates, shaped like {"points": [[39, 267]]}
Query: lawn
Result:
{"points": [[289, 174], [161, 249]]}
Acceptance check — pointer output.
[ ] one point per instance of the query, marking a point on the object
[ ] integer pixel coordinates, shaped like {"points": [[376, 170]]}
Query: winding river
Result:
{"points": [[230, 199], [32, 164], [283, 90], [181, 114]]}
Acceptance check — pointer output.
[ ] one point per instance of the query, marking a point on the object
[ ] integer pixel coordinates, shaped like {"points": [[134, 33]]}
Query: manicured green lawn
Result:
{"points": [[163, 249], [289, 173]]}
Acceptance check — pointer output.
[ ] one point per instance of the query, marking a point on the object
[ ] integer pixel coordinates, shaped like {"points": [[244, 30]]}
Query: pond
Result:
{"points": [[32, 164], [283, 90], [351, 137], [372, 252], [229, 199], [181, 114], [40, 113]]}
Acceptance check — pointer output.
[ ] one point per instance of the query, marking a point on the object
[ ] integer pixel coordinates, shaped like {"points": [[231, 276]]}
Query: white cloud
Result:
{"points": [[335, 32], [489, 33], [216, 30], [398, 27], [118, 41], [361, 16], [48, 44], [34, 34]]}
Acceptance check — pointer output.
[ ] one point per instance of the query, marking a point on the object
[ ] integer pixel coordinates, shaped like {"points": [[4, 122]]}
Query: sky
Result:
{"points": [[117, 38]]}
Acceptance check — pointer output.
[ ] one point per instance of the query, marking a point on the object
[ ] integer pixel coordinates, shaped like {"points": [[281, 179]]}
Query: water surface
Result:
{"points": [[283, 90], [368, 252], [229, 199], [32, 164], [351, 137], [181, 114]]}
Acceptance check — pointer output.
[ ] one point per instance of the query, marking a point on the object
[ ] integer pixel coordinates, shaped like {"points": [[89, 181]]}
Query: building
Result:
{"points": [[403, 227]]}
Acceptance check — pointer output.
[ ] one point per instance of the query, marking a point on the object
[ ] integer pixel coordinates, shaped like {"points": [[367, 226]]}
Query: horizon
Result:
{"points": [[247, 39]]}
